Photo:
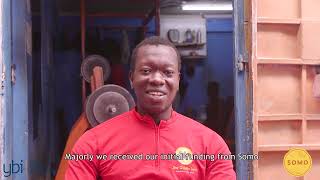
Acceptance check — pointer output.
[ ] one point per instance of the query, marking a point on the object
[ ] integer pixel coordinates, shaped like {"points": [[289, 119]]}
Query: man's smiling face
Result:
{"points": [[155, 78]]}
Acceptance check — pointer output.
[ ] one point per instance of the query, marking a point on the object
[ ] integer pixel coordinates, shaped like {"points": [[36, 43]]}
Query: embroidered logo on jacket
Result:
{"points": [[184, 157], [185, 154]]}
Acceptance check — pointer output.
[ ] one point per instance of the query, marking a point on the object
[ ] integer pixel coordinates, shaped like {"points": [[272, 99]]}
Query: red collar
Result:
{"points": [[149, 120]]}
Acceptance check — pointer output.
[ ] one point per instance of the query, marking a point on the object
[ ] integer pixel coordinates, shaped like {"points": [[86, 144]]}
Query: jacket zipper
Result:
{"points": [[157, 147]]}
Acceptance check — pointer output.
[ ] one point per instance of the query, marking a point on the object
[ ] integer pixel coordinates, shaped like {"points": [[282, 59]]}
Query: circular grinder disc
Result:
{"points": [[90, 62], [107, 102]]}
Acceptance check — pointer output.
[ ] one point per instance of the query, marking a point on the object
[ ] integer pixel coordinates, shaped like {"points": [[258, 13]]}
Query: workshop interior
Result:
{"points": [[89, 34]]}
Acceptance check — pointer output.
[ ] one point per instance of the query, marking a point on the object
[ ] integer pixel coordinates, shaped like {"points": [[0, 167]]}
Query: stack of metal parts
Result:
{"points": [[106, 101]]}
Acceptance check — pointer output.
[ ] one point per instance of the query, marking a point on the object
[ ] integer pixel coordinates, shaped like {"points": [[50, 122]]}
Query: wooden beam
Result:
{"points": [[96, 78]]}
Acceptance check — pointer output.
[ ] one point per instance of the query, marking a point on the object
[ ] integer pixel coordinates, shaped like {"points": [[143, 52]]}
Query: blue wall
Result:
{"points": [[220, 54], [217, 67]]}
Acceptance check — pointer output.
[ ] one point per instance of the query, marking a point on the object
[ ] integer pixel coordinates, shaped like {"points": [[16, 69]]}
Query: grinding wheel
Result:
{"points": [[107, 102], [90, 62]]}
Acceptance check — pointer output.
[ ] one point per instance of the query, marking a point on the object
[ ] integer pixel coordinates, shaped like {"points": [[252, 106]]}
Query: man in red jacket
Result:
{"points": [[151, 141]]}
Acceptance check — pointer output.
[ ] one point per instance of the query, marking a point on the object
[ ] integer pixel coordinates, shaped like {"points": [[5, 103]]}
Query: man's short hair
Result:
{"points": [[153, 40]]}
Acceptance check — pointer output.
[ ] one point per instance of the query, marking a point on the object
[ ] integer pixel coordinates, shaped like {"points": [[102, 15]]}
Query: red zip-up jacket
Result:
{"points": [[134, 147]]}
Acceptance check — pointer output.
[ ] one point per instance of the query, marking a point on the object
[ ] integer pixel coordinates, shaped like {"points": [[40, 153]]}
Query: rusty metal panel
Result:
{"points": [[284, 56]]}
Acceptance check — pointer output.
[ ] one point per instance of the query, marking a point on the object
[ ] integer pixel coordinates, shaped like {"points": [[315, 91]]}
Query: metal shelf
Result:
{"points": [[262, 20], [293, 61], [272, 148], [279, 117]]}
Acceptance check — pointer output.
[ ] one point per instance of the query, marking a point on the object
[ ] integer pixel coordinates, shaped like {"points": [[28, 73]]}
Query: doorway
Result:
{"points": [[211, 83]]}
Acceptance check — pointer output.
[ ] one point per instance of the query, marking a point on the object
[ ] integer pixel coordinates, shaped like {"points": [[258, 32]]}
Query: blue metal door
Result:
{"points": [[16, 87], [243, 91]]}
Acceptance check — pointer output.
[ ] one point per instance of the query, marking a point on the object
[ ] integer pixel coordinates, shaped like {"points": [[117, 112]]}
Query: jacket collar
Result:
{"points": [[147, 119]]}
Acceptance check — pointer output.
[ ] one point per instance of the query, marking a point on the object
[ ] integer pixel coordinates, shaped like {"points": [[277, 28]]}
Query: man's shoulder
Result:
{"points": [[104, 131], [193, 125], [199, 131], [115, 122]]}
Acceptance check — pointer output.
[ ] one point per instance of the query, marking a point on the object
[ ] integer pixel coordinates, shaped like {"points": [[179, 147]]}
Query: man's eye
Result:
{"points": [[145, 71], [168, 73]]}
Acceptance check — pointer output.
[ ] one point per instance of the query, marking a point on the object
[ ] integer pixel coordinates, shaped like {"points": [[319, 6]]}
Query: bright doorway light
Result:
{"points": [[207, 6]]}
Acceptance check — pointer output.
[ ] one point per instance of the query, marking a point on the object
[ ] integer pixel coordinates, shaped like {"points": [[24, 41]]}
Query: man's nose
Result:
{"points": [[157, 78]]}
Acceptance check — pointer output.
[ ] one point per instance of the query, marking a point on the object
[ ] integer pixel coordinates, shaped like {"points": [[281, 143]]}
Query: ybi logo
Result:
{"points": [[12, 168]]}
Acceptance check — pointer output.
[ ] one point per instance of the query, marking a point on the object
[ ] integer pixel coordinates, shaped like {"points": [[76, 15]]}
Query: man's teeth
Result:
{"points": [[156, 93]]}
